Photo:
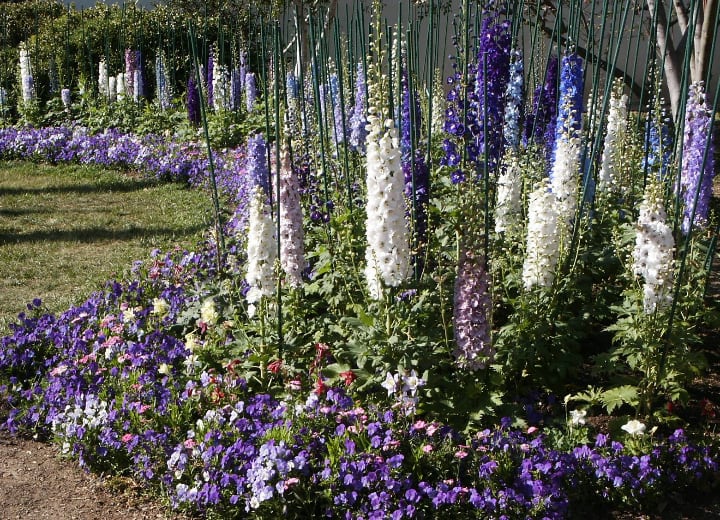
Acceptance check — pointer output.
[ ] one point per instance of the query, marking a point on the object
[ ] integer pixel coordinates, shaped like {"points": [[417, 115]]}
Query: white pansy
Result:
{"points": [[160, 307]]}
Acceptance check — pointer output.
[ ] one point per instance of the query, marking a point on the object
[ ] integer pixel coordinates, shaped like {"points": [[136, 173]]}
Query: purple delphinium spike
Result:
{"points": [[209, 78], [130, 65], [138, 78], [250, 91], [660, 142], [358, 120], [338, 120], [698, 164], [193, 101], [472, 308], [492, 75], [415, 171], [540, 122], [257, 167], [571, 96]]}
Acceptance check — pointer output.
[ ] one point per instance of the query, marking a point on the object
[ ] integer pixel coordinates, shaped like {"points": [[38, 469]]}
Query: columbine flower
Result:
{"points": [[633, 427], [470, 318], [412, 382], [542, 251], [388, 252], [292, 249], [261, 249], [160, 307], [391, 383], [577, 417], [614, 135], [697, 175], [358, 122], [653, 253]]}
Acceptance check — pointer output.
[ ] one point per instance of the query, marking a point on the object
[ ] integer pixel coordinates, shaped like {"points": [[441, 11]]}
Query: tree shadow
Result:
{"points": [[96, 234], [19, 212], [80, 189]]}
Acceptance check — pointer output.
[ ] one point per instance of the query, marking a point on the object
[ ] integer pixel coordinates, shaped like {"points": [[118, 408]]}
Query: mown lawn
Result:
{"points": [[65, 230]]}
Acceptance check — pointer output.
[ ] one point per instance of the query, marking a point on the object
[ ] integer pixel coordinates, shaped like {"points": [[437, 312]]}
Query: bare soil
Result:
{"points": [[35, 483]]}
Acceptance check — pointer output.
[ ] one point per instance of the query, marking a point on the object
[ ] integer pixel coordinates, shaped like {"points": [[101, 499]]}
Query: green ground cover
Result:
{"points": [[65, 230]]}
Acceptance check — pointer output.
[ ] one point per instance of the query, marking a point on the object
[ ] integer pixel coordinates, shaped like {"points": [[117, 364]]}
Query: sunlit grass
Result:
{"points": [[65, 230]]}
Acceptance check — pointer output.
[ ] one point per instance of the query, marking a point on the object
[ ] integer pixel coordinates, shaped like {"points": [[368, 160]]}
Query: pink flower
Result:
{"points": [[532, 430], [419, 425], [127, 437], [190, 443], [461, 454], [427, 448]]}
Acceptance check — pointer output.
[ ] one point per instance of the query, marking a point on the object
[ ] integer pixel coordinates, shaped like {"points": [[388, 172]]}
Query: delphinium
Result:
{"points": [[162, 82], [261, 249], [65, 98], [565, 169], [614, 135], [138, 78], [210, 78], [415, 170], [339, 126], [358, 121], [221, 88], [658, 140], [193, 101], [542, 251], [103, 83], [471, 313], [250, 91], [237, 85], [121, 86], [492, 76], [388, 252], [27, 83], [509, 184], [698, 161], [112, 89], [293, 116], [439, 103], [256, 162], [130, 68], [539, 125], [292, 249], [653, 253]]}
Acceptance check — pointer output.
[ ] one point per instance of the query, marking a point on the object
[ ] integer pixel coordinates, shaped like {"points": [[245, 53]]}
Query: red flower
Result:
{"points": [[275, 366], [348, 377], [320, 387], [707, 408]]}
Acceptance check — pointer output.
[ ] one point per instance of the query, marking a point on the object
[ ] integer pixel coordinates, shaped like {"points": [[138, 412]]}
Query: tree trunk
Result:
{"points": [[665, 46]]}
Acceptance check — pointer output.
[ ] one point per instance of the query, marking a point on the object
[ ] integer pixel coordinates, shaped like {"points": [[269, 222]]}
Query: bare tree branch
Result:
{"points": [[682, 15], [670, 58], [703, 43]]}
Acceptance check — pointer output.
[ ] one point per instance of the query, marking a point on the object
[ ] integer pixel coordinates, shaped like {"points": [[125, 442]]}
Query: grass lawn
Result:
{"points": [[65, 230]]}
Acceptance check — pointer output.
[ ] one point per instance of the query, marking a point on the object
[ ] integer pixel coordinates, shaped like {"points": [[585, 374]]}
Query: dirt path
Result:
{"points": [[36, 484]]}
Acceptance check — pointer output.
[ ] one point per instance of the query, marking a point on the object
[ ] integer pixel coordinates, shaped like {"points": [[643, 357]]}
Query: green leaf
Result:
{"points": [[616, 397]]}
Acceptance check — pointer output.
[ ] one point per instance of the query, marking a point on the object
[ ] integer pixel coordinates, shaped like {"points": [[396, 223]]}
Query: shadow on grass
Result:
{"points": [[96, 234], [80, 189], [18, 212]]}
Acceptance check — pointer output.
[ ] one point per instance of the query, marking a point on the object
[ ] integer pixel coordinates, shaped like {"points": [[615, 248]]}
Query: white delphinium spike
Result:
{"points": [[103, 80], [564, 182], [439, 105], [221, 88], [508, 205], [543, 248], [120, 86], [614, 134], [388, 252], [653, 253], [27, 83], [261, 249], [112, 89], [292, 250]]}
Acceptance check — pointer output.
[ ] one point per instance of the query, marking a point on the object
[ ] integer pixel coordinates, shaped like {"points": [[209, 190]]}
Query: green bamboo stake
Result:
{"points": [[220, 241], [266, 102], [276, 103]]}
